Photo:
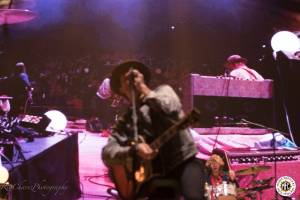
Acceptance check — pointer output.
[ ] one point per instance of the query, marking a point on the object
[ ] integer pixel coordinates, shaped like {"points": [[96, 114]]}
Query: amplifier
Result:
{"points": [[39, 123], [261, 156], [274, 164]]}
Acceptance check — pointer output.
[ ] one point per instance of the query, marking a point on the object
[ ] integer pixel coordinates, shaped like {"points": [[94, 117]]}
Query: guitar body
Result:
{"points": [[127, 185], [124, 184]]}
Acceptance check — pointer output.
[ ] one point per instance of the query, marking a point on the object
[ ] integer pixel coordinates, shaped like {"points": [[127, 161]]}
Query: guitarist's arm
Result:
{"points": [[113, 153], [167, 99], [117, 151]]}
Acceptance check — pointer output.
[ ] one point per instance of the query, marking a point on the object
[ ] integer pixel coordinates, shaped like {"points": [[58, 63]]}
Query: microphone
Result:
{"points": [[131, 78], [131, 74]]}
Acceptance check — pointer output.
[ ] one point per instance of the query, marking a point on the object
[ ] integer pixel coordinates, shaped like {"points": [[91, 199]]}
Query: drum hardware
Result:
{"points": [[252, 170], [251, 192], [257, 186]]}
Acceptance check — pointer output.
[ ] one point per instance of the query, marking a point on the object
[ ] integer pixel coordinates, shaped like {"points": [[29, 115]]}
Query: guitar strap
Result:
{"points": [[251, 73]]}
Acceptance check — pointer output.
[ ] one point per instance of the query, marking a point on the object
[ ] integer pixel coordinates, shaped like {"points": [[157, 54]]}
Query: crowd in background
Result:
{"points": [[71, 85]]}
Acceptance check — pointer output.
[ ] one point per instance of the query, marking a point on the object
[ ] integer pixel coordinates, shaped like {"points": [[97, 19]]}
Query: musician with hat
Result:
{"points": [[236, 67], [218, 178], [155, 111]]}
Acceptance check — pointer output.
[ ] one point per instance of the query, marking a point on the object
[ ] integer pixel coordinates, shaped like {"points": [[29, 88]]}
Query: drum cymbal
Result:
{"points": [[13, 16], [252, 170], [3, 97]]}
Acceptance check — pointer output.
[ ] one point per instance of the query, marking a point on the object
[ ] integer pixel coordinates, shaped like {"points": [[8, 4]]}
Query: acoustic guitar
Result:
{"points": [[129, 179]]}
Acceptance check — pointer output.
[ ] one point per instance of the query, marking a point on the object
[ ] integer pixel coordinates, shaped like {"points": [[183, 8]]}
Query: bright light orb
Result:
{"points": [[285, 41], [58, 121], [3, 175]]}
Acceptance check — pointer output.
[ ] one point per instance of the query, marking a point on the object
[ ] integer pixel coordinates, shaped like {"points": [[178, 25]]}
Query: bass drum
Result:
{"points": [[226, 191], [230, 197]]}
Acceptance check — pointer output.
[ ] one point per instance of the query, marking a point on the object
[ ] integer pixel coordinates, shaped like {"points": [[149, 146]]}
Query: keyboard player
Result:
{"points": [[235, 66]]}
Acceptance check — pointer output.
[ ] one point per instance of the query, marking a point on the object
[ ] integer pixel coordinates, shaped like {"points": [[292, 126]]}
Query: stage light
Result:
{"points": [[3, 174], [58, 121], [285, 41]]}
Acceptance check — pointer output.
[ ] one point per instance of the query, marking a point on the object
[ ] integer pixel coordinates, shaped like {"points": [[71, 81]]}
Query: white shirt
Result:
{"points": [[104, 90], [245, 73]]}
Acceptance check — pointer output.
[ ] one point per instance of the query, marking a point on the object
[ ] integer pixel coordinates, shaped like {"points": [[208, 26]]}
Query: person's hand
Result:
{"points": [[145, 151], [231, 175], [138, 81]]}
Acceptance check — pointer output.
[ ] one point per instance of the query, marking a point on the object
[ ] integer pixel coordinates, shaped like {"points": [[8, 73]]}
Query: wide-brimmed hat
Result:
{"points": [[215, 158], [122, 69], [235, 59]]}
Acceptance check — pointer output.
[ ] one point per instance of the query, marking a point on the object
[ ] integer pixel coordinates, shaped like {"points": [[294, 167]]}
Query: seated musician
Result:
{"points": [[236, 67], [156, 110], [109, 104], [217, 174]]}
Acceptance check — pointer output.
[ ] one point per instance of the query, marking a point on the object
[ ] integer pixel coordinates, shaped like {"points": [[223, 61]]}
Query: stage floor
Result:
{"points": [[93, 174], [94, 180]]}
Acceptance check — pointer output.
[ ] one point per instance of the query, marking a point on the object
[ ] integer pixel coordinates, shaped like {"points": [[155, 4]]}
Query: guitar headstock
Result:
{"points": [[192, 117], [195, 115], [201, 119]]}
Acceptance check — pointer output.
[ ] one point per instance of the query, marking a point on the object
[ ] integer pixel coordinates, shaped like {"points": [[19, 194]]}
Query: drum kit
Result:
{"points": [[229, 191], [257, 186]]}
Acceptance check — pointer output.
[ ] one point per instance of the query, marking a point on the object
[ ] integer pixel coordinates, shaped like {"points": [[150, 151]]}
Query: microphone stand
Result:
{"points": [[134, 119], [265, 127], [133, 103], [273, 145]]}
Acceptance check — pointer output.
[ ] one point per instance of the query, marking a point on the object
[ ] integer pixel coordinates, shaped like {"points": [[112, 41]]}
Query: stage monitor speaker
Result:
{"points": [[281, 162]]}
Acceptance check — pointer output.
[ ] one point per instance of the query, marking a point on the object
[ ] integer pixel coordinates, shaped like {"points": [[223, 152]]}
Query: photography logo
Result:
{"points": [[285, 186]]}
